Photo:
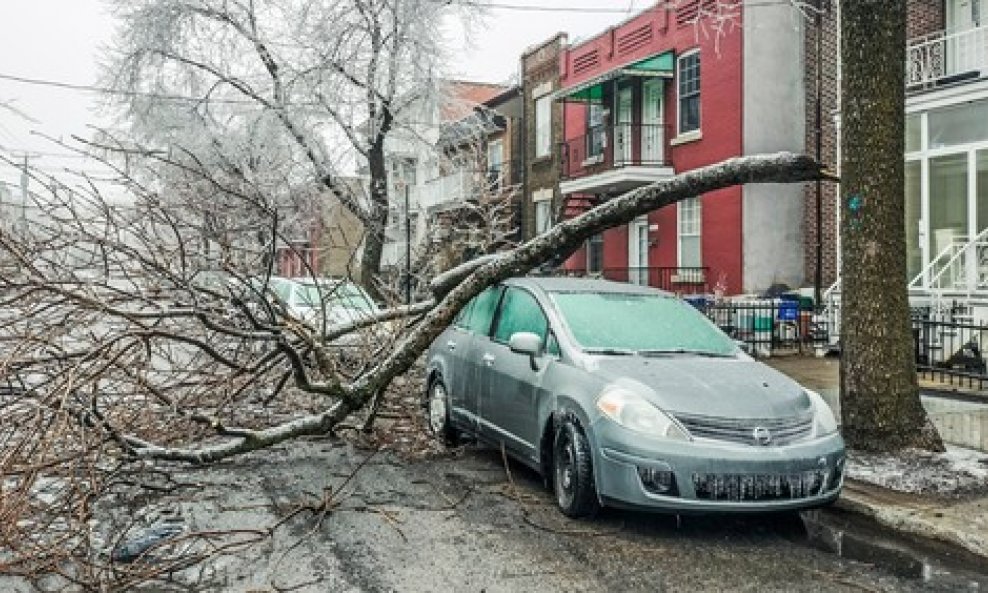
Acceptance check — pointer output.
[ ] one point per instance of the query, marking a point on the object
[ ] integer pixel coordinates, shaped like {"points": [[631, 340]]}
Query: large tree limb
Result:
{"points": [[561, 240]]}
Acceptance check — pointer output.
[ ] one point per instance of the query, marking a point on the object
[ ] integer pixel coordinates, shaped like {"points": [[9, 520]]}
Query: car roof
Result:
{"points": [[570, 284]]}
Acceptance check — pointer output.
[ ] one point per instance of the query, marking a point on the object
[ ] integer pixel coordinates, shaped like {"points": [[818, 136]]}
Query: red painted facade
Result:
{"points": [[651, 33]]}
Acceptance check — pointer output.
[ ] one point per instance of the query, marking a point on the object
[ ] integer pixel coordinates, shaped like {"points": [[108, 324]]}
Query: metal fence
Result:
{"points": [[767, 326], [949, 351]]}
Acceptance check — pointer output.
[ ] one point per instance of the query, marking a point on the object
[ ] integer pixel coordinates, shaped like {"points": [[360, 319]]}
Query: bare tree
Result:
{"points": [[327, 83], [124, 351]]}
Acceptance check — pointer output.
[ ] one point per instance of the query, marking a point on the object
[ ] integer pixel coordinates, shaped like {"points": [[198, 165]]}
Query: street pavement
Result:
{"points": [[957, 524]]}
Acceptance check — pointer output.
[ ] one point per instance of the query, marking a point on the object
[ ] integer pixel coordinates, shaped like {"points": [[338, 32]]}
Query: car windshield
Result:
{"points": [[627, 323], [347, 296]]}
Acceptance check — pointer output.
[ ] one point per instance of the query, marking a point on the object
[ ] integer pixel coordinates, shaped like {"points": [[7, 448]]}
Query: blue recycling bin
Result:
{"points": [[788, 310]]}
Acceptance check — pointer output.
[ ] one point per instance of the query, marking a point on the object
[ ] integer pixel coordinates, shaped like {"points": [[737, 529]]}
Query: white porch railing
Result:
{"points": [[961, 266], [938, 56], [445, 190]]}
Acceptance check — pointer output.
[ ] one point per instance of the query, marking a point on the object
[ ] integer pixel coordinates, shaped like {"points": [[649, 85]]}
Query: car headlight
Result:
{"points": [[823, 417], [634, 412]]}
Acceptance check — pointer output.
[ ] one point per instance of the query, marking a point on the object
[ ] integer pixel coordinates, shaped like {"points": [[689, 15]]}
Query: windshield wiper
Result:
{"points": [[610, 351], [673, 351]]}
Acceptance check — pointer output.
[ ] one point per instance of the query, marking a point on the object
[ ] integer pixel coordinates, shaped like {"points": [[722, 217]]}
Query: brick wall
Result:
{"points": [[540, 66], [924, 17]]}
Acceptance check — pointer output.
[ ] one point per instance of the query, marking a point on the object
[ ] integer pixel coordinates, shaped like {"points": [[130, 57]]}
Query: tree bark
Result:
{"points": [[377, 219], [880, 405]]}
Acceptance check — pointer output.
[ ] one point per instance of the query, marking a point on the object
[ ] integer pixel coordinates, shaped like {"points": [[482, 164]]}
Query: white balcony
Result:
{"points": [[446, 191], [946, 57]]}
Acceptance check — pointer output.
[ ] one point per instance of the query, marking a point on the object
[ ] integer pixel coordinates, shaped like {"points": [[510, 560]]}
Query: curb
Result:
{"points": [[906, 540], [911, 521]]}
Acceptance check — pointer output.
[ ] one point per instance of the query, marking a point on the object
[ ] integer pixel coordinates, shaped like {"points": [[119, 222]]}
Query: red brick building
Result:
{"points": [[664, 92]]}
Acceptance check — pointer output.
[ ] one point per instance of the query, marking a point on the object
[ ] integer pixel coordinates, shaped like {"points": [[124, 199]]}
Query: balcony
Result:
{"points": [[615, 158], [944, 58], [445, 192]]}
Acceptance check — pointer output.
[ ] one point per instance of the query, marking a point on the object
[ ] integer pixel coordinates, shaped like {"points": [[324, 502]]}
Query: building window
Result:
{"points": [[543, 215], [689, 233], [495, 163], [543, 126], [688, 73], [596, 133], [595, 253]]}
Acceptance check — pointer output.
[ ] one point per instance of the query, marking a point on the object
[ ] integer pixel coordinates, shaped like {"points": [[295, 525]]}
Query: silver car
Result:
{"points": [[626, 396]]}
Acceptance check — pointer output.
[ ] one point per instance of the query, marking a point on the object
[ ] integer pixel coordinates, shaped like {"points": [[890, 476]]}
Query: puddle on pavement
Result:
{"points": [[863, 540]]}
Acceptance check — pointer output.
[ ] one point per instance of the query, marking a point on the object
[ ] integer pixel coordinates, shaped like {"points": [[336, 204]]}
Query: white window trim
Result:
{"points": [[545, 224], [698, 210], [543, 127], [679, 119]]}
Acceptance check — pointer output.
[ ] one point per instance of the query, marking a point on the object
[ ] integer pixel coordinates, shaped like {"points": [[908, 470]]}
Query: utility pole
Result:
{"points": [[818, 124], [408, 251]]}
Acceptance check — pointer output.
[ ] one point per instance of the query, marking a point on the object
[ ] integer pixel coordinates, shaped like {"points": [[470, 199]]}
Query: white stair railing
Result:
{"points": [[961, 266], [937, 57]]}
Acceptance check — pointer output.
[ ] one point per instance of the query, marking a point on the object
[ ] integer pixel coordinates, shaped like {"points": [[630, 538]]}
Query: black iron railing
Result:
{"points": [[767, 326], [948, 350], [681, 280], [614, 146]]}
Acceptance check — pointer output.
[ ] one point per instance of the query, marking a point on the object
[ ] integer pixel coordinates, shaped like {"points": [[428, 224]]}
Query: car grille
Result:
{"points": [[760, 487], [749, 431]]}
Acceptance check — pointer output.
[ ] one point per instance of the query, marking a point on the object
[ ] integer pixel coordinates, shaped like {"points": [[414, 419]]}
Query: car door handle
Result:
{"points": [[488, 359], [451, 345]]}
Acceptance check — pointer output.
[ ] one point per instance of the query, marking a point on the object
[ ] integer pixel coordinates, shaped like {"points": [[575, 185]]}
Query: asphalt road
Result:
{"points": [[458, 522]]}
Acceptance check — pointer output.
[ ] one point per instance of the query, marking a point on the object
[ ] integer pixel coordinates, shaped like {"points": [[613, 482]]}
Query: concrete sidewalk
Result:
{"points": [[959, 521], [959, 412]]}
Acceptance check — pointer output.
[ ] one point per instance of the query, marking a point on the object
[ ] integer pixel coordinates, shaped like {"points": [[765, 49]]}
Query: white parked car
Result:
{"points": [[311, 300]]}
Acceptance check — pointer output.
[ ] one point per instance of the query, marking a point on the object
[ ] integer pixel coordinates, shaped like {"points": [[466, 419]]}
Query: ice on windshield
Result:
{"points": [[639, 322]]}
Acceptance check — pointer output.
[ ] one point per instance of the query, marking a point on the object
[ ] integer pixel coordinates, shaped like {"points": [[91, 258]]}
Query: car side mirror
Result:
{"points": [[526, 343], [743, 346]]}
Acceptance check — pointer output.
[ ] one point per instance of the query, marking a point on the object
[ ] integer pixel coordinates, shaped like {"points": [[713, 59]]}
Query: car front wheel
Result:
{"points": [[572, 465]]}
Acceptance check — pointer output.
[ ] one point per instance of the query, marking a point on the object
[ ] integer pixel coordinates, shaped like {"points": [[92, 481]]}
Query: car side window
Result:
{"points": [[460, 321], [482, 311], [520, 312]]}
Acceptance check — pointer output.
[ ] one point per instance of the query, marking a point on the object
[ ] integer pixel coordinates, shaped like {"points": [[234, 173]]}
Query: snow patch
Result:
{"points": [[957, 472]]}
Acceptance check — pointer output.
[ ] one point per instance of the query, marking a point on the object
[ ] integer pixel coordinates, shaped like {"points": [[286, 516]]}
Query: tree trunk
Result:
{"points": [[376, 222], [880, 405]]}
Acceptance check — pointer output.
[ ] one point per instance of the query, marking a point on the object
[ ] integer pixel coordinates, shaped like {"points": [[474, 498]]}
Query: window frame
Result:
{"points": [[596, 131], [495, 170], [693, 228], [681, 98], [597, 239], [546, 223], [543, 126]]}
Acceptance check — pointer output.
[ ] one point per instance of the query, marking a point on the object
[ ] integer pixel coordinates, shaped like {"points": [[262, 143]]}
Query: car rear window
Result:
{"points": [[639, 322], [482, 311]]}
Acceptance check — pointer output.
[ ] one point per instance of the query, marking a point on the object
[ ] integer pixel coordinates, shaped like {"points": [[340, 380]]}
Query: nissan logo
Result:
{"points": [[761, 435]]}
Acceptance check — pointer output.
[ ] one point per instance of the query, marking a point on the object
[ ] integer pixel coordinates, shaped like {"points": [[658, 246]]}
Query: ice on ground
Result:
{"points": [[957, 472]]}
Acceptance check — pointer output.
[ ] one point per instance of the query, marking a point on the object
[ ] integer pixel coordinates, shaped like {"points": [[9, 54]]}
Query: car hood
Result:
{"points": [[731, 388]]}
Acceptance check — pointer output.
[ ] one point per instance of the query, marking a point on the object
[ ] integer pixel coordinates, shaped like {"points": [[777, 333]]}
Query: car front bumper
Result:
{"points": [[713, 476]]}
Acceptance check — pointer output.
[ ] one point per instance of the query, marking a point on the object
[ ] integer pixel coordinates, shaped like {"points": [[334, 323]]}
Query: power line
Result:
{"points": [[108, 91]]}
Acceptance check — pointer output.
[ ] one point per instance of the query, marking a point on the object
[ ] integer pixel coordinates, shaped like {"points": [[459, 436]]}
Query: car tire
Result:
{"points": [[572, 472], [437, 412]]}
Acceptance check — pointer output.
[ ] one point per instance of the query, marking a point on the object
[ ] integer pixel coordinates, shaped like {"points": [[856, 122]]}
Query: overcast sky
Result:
{"points": [[61, 41]]}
